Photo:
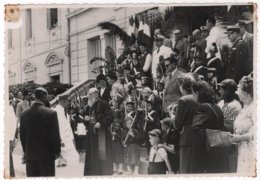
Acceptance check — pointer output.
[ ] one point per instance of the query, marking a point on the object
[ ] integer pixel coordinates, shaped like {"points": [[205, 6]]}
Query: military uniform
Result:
{"points": [[237, 61]]}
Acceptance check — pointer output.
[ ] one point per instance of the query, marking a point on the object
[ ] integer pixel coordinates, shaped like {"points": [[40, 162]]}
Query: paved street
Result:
{"points": [[74, 168]]}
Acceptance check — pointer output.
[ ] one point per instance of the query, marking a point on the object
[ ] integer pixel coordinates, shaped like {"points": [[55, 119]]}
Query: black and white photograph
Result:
{"points": [[130, 90]]}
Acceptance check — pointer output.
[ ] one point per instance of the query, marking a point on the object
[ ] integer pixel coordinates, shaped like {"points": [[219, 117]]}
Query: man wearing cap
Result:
{"points": [[248, 38], [40, 137], [98, 159], [181, 44], [237, 61], [161, 52]]}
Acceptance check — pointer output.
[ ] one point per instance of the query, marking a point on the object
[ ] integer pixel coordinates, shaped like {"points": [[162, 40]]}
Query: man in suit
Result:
{"points": [[248, 38], [160, 53], [172, 92], [40, 137], [13, 101], [237, 65], [104, 88], [181, 44]]}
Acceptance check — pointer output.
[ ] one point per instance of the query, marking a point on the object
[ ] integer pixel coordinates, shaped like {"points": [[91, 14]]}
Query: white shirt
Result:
{"points": [[102, 90], [160, 154], [147, 63], [214, 36], [244, 36], [165, 52]]}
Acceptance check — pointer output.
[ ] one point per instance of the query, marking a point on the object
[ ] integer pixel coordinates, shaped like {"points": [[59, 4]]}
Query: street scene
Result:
{"points": [[130, 90]]}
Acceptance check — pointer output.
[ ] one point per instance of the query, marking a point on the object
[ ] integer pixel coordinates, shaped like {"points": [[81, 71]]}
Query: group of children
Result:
{"points": [[133, 129]]}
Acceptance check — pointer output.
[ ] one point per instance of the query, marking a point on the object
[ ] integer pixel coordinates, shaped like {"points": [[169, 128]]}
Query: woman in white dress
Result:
{"points": [[244, 129], [68, 150]]}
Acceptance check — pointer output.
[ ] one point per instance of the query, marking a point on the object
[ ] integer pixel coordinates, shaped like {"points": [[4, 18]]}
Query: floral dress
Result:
{"points": [[245, 124]]}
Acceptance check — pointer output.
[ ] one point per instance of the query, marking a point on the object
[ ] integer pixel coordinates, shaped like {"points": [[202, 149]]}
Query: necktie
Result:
{"points": [[158, 50]]}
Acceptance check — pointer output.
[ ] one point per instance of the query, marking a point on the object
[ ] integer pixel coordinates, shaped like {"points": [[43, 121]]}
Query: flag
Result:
{"points": [[131, 30], [140, 32], [136, 26], [147, 39]]}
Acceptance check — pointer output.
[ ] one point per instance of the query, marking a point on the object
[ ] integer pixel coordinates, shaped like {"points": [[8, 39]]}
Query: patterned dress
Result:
{"points": [[230, 112], [245, 124]]}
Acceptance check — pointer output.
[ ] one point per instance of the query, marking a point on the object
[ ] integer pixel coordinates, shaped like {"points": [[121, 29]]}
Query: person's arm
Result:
{"points": [[241, 57], [148, 63], [56, 140], [169, 148], [162, 152], [18, 112], [22, 132]]}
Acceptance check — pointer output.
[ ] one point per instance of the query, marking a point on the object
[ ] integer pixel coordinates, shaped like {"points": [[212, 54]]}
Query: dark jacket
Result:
{"points": [[98, 159], [183, 119], [207, 116], [39, 131], [106, 95], [237, 66]]}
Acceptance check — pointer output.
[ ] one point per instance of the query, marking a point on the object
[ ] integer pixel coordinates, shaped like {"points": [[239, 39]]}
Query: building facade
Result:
{"points": [[36, 52], [57, 44]]}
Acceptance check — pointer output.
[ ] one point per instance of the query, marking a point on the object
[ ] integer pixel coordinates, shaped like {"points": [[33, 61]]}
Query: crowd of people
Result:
{"points": [[164, 101]]}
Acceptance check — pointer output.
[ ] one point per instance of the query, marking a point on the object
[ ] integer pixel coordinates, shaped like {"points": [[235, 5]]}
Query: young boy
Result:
{"points": [[158, 158]]}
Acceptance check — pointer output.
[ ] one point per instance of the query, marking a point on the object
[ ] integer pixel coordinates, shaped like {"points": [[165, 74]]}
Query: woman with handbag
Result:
{"points": [[244, 129], [207, 116], [183, 120], [230, 106]]}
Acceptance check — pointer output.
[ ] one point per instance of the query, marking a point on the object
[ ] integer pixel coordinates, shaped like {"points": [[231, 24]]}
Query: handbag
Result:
{"points": [[217, 139]]}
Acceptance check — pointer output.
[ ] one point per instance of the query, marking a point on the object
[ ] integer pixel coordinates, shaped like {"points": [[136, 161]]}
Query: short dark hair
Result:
{"points": [[206, 94], [212, 20], [186, 80], [40, 92], [112, 76], [25, 92]]}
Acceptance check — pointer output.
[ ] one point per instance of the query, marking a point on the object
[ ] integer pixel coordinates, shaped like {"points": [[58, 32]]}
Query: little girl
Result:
{"points": [[131, 140], [158, 159]]}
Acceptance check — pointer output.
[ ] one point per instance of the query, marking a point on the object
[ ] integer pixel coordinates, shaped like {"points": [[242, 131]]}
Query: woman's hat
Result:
{"points": [[156, 133], [228, 84]]}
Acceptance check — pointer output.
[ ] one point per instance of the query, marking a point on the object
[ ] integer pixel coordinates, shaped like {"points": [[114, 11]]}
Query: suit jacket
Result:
{"points": [[172, 92], [39, 131], [182, 46], [106, 94], [184, 116], [249, 40], [237, 62]]}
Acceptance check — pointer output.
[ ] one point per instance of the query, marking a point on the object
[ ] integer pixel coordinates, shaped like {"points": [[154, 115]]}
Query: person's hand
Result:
{"points": [[234, 138], [87, 118], [97, 125], [161, 146], [131, 133]]}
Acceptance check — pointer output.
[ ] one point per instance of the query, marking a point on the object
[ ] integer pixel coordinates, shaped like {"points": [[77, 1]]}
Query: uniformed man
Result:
{"points": [[237, 61]]}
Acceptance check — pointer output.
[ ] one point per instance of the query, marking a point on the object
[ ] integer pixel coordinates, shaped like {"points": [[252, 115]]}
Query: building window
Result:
{"points": [[97, 47], [52, 18], [28, 22], [30, 71], [10, 39], [55, 67], [55, 78]]}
